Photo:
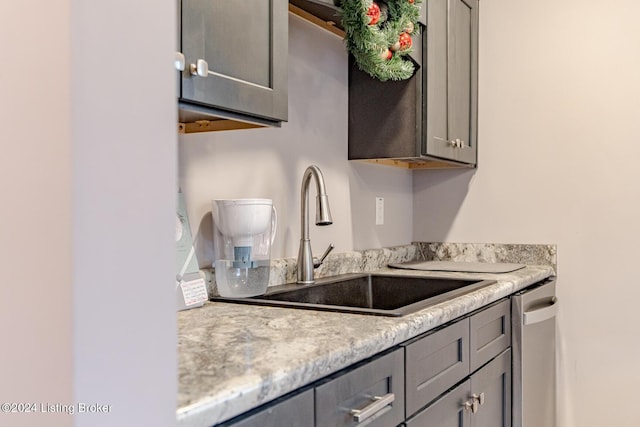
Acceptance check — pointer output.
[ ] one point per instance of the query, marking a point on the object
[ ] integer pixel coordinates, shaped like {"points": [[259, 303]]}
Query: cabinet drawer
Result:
{"points": [[382, 378], [295, 411], [435, 363], [490, 333]]}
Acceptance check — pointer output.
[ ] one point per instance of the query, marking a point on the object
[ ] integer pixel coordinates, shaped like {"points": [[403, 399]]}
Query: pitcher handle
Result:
{"points": [[274, 223]]}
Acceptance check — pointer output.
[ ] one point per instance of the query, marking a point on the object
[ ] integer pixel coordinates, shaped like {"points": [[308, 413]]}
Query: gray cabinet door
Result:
{"points": [[375, 389], [483, 400], [491, 386], [448, 411], [490, 333], [245, 44], [452, 79], [296, 411], [435, 363]]}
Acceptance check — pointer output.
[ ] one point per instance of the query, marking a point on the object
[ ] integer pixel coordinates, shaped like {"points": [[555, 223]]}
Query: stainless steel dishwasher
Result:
{"points": [[533, 322]]}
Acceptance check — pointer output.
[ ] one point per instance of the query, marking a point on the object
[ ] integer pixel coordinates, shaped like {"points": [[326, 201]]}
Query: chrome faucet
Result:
{"points": [[306, 263]]}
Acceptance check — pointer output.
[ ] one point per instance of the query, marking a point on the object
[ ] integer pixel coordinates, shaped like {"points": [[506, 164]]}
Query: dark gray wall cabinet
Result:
{"points": [[429, 120], [235, 60]]}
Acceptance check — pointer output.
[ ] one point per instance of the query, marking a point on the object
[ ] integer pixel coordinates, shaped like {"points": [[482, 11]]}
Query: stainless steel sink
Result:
{"points": [[377, 294]]}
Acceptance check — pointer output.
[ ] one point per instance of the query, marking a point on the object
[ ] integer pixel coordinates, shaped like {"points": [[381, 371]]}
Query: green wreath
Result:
{"points": [[378, 35]]}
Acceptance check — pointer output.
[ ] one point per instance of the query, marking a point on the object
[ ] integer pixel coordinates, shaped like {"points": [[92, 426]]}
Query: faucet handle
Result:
{"points": [[319, 262]]}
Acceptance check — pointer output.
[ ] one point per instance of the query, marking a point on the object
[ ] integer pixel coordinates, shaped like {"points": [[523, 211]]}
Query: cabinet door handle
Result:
{"points": [[179, 61], [379, 402], [200, 68]]}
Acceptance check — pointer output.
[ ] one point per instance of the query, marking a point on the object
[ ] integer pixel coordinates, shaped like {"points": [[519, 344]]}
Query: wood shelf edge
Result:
{"points": [[329, 26], [416, 163], [215, 126]]}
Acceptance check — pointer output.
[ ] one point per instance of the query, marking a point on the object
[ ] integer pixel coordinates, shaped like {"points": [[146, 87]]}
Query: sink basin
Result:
{"points": [[376, 294]]}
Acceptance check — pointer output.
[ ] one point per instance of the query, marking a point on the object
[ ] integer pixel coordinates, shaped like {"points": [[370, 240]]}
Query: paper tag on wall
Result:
{"points": [[194, 292]]}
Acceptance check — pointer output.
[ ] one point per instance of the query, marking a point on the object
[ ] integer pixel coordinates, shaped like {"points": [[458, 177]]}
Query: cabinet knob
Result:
{"points": [[200, 68], [455, 143], [179, 61], [458, 143], [471, 406], [478, 398]]}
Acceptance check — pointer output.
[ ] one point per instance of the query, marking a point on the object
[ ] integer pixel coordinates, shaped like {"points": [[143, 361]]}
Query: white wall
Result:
{"points": [[35, 219], [87, 305], [270, 162], [559, 108], [124, 165]]}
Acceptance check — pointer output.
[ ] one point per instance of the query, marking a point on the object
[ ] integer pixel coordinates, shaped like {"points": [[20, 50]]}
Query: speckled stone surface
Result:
{"points": [[284, 270], [235, 357], [489, 252]]}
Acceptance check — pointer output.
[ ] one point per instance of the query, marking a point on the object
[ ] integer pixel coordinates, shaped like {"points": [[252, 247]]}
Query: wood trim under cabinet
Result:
{"points": [[329, 26], [416, 163], [214, 125]]}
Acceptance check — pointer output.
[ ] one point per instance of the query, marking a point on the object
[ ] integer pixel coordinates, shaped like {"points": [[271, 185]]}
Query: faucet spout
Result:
{"points": [[323, 217]]}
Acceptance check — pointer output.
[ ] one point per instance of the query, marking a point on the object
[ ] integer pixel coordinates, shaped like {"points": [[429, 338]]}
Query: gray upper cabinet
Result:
{"points": [[452, 80], [429, 120], [235, 60]]}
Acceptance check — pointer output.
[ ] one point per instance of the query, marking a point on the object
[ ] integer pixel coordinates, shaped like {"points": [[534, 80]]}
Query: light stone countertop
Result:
{"points": [[235, 357]]}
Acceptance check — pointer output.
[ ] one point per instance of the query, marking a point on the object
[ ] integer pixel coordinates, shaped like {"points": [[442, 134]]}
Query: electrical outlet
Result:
{"points": [[379, 210]]}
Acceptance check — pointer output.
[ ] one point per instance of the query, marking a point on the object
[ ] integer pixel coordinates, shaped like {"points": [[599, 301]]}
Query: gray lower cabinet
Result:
{"points": [[296, 411], [491, 391], [235, 60], [447, 411], [372, 394], [490, 333], [483, 400], [473, 355], [456, 376], [435, 363]]}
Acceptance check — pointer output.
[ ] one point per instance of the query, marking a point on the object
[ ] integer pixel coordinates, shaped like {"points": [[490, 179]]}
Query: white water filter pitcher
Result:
{"points": [[243, 232]]}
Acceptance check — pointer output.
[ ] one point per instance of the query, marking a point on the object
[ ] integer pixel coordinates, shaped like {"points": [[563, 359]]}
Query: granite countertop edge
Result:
{"points": [[234, 357]]}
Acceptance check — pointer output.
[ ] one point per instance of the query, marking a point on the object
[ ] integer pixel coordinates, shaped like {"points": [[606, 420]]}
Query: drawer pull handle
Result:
{"points": [[379, 402]]}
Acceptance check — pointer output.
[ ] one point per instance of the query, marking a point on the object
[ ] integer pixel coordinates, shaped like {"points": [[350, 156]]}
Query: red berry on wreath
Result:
{"points": [[373, 13], [405, 41], [386, 54], [411, 1]]}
